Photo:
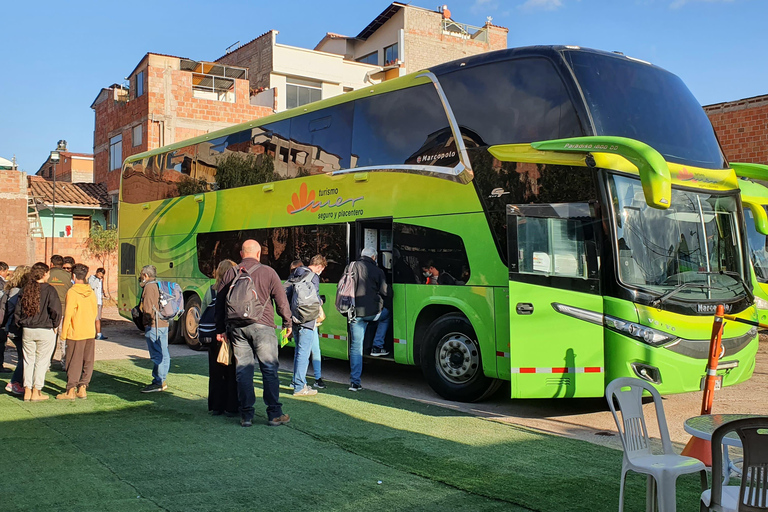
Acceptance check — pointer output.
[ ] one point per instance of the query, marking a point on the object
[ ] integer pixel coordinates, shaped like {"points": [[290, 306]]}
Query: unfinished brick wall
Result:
{"points": [[14, 247], [426, 45], [168, 113], [742, 127], [256, 56]]}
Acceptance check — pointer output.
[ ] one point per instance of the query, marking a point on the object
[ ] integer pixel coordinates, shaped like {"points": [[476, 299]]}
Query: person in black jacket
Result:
{"points": [[38, 313], [370, 290]]}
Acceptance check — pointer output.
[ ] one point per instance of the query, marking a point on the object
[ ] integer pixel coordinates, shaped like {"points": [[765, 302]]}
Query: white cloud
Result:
{"points": [[545, 5], [680, 3]]}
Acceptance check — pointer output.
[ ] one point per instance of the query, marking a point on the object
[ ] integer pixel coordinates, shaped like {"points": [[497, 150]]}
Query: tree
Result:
{"points": [[101, 244], [239, 170]]}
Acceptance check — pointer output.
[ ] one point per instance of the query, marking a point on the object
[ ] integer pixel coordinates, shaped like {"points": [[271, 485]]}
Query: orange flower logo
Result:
{"points": [[683, 175], [303, 201]]}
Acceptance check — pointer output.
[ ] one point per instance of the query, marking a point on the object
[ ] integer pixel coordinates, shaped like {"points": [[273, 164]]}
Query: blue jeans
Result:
{"points": [[306, 339], [157, 344], [316, 356], [251, 343], [357, 330], [18, 373]]}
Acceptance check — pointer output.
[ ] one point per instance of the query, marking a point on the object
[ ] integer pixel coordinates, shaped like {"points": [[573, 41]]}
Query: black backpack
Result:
{"points": [[305, 304], [244, 306], [206, 327]]}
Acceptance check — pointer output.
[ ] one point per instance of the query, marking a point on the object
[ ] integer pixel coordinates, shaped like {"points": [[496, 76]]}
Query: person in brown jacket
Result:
{"points": [[79, 331], [155, 330], [61, 280]]}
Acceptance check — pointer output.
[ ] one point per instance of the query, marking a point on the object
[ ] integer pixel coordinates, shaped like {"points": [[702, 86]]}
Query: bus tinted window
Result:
{"points": [[426, 255], [327, 240], [402, 127], [212, 248], [521, 100], [321, 141], [643, 102], [127, 259], [158, 177], [501, 183]]}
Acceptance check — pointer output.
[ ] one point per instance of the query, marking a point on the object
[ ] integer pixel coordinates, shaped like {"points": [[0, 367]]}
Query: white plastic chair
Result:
{"points": [[638, 456]]}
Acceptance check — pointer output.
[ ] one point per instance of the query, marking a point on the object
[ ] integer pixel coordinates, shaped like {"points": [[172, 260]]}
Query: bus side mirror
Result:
{"points": [[759, 214]]}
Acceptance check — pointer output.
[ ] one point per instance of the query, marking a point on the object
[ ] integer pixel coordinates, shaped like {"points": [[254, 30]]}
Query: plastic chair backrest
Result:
{"points": [[628, 392], [753, 492]]}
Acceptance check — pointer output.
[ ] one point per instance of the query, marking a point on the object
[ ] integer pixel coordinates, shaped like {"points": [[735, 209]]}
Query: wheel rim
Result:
{"points": [[457, 358], [192, 321]]}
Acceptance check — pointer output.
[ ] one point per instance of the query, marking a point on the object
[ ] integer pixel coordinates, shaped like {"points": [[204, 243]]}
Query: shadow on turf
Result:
{"points": [[492, 465]]}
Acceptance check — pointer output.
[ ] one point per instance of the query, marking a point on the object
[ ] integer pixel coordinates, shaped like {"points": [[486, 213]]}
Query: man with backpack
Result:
{"points": [[245, 316], [369, 290], [155, 330], [303, 289]]}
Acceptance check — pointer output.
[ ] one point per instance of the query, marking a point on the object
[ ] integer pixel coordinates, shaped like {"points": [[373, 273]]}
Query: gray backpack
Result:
{"points": [[244, 306], [345, 292], [305, 304]]}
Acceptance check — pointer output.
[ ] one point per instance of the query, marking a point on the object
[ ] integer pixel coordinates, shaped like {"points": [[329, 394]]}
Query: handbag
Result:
{"points": [[225, 353]]}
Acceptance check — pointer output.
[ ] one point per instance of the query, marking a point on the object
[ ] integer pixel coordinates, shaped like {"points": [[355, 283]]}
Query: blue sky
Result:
{"points": [[56, 56]]}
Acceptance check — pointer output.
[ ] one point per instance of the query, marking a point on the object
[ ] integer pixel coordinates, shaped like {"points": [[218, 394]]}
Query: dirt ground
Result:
{"points": [[586, 419]]}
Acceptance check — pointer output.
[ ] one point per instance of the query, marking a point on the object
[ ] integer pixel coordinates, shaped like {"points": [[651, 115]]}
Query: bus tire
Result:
{"points": [[188, 321], [451, 360]]}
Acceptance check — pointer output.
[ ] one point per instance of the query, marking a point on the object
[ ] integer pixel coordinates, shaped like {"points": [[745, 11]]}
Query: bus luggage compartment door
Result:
{"points": [[556, 310]]}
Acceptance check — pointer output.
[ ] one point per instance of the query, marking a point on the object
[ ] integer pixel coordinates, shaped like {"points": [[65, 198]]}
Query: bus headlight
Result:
{"points": [[761, 303], [647, 335]]}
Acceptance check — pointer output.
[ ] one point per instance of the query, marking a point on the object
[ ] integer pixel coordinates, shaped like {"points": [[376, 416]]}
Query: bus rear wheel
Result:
{"points": [[451, 360], [189, 321]]}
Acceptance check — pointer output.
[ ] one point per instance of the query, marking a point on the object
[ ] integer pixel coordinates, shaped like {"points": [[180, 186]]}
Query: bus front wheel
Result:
{"points": [[189, 321], [451, 360]]}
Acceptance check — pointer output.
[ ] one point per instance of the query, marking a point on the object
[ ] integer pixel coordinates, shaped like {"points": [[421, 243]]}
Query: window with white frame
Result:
{"points": [[299, 92], [139, 83], [136, 136], [116, 152]]}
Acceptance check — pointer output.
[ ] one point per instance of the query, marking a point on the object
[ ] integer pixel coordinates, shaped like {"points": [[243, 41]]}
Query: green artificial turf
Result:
{"points": [[123, 450]]}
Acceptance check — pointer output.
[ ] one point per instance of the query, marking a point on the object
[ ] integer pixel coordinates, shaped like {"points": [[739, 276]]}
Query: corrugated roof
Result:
{"points": [[381, 19], [92, 195]]}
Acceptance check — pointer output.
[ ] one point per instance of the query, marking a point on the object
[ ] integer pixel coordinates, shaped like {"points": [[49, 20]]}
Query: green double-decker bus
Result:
{"points": [[555, 217]]}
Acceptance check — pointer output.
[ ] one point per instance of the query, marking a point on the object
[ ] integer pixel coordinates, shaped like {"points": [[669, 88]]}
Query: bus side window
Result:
{"points": [[321, 141], [127, 259], [429, 256], [399, 127]]}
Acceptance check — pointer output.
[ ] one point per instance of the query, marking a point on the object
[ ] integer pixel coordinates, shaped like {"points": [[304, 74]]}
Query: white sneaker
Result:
{"points": [[307, 391]]}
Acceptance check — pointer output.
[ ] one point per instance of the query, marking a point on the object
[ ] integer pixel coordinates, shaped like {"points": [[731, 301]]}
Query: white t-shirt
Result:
{"points": [[96, 284]]}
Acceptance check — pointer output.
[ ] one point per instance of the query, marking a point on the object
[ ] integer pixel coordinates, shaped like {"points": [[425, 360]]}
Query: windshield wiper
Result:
{"points": [[735, 275], [656, 303]]}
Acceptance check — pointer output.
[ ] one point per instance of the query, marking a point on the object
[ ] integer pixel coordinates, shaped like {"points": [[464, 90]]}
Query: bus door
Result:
{"points": [[556, 309], [377, 235]]}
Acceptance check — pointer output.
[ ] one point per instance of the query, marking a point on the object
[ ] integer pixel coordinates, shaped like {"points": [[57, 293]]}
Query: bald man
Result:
{"points": [[255, 339]]}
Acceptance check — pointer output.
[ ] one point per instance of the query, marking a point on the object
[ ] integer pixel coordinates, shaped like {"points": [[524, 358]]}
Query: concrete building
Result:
{"points": [[168, 99], [742, 127], [405, 38], [285, 76]]}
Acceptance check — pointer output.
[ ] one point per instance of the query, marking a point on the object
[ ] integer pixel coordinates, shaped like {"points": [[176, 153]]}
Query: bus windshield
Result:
{"points": [[693, 242], [643, 102], [758, 252]]}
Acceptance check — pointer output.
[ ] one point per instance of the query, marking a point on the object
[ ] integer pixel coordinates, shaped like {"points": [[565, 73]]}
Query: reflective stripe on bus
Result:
{"points": [[581, 369], [333, 337], [402, 342]]}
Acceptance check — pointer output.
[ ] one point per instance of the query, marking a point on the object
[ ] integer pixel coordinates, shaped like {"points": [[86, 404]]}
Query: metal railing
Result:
{"points": [[465, 31]]}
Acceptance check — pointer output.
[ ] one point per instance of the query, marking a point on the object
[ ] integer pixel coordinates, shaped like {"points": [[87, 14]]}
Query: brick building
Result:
{"points": [[407, 38], [71, 167], [169, 99], [742, 127], [16, 247]]}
